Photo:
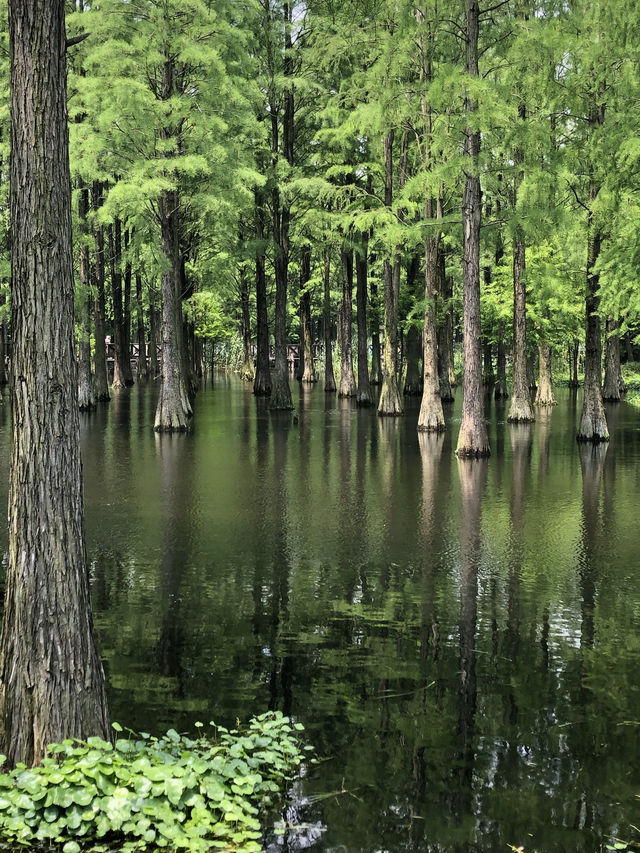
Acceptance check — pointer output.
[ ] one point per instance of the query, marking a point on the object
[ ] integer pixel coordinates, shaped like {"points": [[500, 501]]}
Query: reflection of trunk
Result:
{"points": [[521, 438], [86, 398], [544, 395], [592, 464], [364, 390], [262, 381], [431, 446], [472, 439], [501, 390], [306, 354], [613, 383], [390, 402], [347, 380], [329, 379], [473, 475]]}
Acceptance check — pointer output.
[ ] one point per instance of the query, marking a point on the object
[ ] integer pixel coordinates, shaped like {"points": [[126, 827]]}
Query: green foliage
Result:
{"points": [[145, 792]]}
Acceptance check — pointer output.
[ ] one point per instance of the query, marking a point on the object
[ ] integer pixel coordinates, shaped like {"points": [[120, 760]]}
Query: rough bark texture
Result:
{"points": [[445, 333], [612, 374], [544, 395], [347, 380], [125, 336], [154, 367], [143, 370], [262, 381], [520, 409], [472, 439], [329, 378], [51, 677], [173, 409], [86, 395], [390, 402], [100, 372], [309, 372], [363, 397], [501, 391]]}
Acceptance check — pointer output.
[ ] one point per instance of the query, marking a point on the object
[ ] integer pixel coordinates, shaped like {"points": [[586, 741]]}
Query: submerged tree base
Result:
{"points": [[390, 403], [145, 792]]}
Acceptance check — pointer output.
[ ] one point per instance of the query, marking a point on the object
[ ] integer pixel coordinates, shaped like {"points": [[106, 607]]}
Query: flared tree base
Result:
{"points": [[390, 404]]}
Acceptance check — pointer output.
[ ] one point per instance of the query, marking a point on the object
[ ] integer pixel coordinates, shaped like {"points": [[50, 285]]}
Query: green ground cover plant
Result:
{"points": [[145, 792]]}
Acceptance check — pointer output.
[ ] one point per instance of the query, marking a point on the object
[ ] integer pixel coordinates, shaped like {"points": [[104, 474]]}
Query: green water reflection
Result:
{"points": [[461, 639]]}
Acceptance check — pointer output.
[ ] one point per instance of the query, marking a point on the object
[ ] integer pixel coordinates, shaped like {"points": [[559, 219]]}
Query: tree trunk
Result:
{"points": [[114, 237], [262, 381], [472, 439], [3, 348], [520, 410], [544, 395], [86, 395], [329, 378], [501, 391], [612, 372], [347, 379], [247, 373], [126, 315], [309, 373], [100, 372], [413, 344], [173, 409], [445, 332], [51, 676], [573, 364], [593, 422], [431, 417], [375, 375], [153, 337], [390, 402], [488, 376], [628, 346], [143, 371], [364, 396]]}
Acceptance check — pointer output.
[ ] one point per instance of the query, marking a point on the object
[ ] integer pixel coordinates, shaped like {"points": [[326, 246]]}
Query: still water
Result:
{"points": [[460, 639]]}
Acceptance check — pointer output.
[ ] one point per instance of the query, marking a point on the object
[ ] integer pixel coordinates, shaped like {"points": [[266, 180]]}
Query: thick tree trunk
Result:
{"points": [[431, 417], [247, 373], [309, 373], [173, 409], [445, 332], [114, 238], [520, 410], [544, 395], [262, 381], [472, 439], [86, 395], [347, 380], [51, 677], [413, 343], [364, 396], [154, 367], [390, 402], [329, 378], [612, 373], [143, 370], [501, 391], [375, 374], [100, 372]]}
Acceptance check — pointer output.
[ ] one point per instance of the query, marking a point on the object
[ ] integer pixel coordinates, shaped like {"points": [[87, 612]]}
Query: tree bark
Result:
{"points": [[544, 395], [431, 417], [375, 374], [488, 376], [100, 372], [472, 439], [262, 380], [445, 332], [573, 364], [153, 337], [347, 380], [501, 391], [413, 343], [247, 373], [329, 378], [364, 396], [51, 676], [390, 402], [613, 383], [86, 395], [173, 409], [114, 239], [126, 314], [143, 370], [309, 373]]}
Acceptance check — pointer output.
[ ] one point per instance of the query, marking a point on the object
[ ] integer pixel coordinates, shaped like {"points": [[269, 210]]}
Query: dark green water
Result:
{"points": [[461, 639]]}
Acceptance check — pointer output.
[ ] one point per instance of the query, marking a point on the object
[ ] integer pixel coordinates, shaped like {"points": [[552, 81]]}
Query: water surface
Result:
{"points": [[461, 639]]}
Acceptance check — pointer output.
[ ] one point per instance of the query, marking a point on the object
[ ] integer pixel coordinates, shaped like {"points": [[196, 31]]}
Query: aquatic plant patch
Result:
{"points": [[144, 792]]}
